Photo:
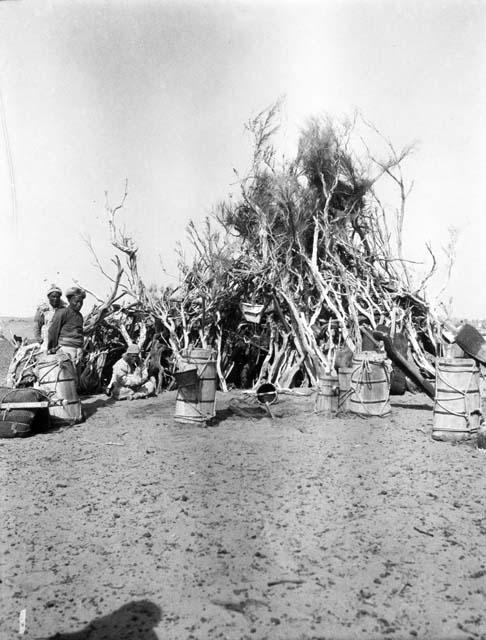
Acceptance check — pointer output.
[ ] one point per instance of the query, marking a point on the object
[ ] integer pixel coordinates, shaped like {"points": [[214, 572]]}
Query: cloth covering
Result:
{"points": [[75, 353], [75, 291], [54, 289]]}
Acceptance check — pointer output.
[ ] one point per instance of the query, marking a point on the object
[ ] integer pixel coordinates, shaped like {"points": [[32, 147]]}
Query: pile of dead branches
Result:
{"points": [[306, 242]]}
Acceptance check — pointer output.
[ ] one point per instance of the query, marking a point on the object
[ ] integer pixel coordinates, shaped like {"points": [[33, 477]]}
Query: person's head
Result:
{"points": [[75, 297], [54, 296], [132, 354]]}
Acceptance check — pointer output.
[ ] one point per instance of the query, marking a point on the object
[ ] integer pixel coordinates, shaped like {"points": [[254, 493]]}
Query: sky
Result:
{"points": [[157, 93]]}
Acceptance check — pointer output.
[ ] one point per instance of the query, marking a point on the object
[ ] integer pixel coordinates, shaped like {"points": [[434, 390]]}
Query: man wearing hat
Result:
{"points": [[45, 313], [129, 380], [66, 329]]}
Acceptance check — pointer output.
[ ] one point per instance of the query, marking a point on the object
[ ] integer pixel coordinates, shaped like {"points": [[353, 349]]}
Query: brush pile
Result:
{"points": [[284, 275]]}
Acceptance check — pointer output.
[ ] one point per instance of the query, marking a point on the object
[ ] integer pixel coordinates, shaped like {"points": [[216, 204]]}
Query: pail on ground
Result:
{"points": [[197, 403], [326, 402], [56, 377], [344, 384], [370, 384], [267, 393], [457, 406]]}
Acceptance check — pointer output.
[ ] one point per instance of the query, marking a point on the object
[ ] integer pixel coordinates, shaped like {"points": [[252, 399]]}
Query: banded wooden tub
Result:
{"points": [[196, 403], [457, 405], [370, 384]]}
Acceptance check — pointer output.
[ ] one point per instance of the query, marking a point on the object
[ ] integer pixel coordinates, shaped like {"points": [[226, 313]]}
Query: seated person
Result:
{"points": [[130, 380]]}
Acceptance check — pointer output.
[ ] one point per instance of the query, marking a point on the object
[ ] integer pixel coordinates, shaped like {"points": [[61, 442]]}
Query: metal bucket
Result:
{"points": [[267, 393]]}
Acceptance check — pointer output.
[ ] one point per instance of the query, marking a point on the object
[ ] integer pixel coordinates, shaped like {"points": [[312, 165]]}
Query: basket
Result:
{"points": [[188, 378], [252, 312]]}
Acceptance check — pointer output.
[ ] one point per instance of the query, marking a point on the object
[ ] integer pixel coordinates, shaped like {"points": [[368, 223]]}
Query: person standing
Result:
{"points": [[45, 313], [66, 329]]}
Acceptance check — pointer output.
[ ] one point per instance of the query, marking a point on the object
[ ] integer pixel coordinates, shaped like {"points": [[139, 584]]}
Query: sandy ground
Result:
{"points": [[131, 527]]}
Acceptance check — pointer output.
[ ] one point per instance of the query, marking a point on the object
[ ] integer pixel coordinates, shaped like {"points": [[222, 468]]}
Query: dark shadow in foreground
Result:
{"points": [[133, 621]]}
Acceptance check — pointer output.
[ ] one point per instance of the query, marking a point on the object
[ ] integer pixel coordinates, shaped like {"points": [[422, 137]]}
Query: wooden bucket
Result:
{"points": [[457, 406], [326, 402], [370, 384], [344, 384], [197, 403], [56, 377]]}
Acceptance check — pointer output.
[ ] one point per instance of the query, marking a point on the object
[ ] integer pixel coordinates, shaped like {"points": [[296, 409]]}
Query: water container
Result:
{"points": [[370, 384], [267, 393], [197, 403], [457, 406], [327, 395], [56, 377]]}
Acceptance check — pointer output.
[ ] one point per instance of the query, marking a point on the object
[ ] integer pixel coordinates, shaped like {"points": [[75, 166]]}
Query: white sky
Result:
{"points": [[158, 92]]}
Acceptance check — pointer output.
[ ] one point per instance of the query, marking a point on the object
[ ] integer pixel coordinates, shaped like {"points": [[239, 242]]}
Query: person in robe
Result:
{"points": [[65, 331], [45, 313], [130, 380]]}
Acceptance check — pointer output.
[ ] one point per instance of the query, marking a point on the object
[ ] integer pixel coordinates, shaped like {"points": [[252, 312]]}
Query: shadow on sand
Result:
{"points": [[91, 404], [133, 621], [238, 409], [415, 407]]}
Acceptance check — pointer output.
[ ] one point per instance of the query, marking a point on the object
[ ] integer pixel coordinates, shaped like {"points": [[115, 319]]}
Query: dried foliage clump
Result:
{"points": [[306, 239]]}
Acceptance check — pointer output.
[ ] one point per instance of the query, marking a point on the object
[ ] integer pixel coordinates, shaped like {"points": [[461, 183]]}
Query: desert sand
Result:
{"points": [[133, 527]]}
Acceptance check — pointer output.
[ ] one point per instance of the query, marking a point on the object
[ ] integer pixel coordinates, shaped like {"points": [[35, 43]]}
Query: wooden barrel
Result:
{"points": [[457, 406], [56, 377], [197, 403], [370, 384], [344, 383], [326, 401]]}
